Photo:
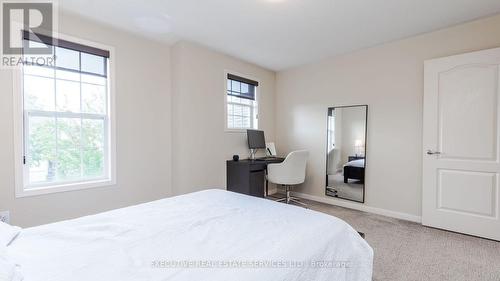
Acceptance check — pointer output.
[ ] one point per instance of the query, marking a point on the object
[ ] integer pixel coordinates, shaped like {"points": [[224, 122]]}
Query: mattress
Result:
{"points": [[207, 235], [360, 163]]}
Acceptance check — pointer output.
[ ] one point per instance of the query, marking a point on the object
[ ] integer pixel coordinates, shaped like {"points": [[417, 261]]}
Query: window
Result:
{"points": [[331, 128], [66, 119], [241, 103]]}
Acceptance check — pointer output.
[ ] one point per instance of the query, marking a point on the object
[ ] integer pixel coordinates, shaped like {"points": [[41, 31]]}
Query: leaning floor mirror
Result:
{"points": [[345, 155]]}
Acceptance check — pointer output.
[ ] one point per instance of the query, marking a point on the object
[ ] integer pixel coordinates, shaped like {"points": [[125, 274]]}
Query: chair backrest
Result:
{"points": [[296, 161], [291, 171], [272, 148]]}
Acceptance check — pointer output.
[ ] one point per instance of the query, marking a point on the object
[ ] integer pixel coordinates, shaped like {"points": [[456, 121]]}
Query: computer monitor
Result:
{"points": [[256, 139]]}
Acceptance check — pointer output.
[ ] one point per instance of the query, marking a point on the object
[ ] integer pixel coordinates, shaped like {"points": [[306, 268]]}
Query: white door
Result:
{"points": [[461, 163]]}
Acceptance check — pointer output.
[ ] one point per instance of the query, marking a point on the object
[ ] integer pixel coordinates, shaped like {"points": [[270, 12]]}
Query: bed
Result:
{"points": [[354, 170], [207, 235]]}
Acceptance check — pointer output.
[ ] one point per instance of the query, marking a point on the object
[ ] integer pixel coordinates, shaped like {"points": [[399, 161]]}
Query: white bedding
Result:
{"points": [[360, 163], [220, 227], [7, 233]]}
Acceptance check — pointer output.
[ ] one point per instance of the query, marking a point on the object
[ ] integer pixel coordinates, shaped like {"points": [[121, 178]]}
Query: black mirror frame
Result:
{"points": [[366, 145]]}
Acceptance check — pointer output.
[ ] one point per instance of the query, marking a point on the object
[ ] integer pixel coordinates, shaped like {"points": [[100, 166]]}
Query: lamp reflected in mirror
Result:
{"points": [[358, 147]]}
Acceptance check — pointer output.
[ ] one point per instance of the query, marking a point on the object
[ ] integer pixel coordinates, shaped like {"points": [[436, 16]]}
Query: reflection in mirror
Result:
{"points": [[345, 175]]}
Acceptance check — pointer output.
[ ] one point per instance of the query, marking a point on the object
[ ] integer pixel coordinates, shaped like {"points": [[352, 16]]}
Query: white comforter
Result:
{"points": [[360, 163], [224, 236]]}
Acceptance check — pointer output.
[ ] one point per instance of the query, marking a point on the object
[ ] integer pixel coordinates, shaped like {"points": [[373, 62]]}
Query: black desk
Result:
{"points": [[247, 176]]}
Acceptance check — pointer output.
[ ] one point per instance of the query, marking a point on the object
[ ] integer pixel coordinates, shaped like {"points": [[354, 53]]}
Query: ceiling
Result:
{"points": [[279, 34]]}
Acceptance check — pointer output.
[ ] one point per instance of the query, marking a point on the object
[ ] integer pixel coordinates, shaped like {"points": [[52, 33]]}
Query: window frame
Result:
{"points": [[21, 181], [255, 109]]}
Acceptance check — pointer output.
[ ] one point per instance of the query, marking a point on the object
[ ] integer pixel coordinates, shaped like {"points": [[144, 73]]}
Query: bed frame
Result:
{"points": [[355, 173]]}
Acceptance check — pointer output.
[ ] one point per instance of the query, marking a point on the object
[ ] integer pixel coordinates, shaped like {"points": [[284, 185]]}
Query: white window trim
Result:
{"points": [[18, 111], [234, 130]]}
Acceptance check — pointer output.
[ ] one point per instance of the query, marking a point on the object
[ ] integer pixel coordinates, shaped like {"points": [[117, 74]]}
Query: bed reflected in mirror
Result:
{"points": [[345, 168]]}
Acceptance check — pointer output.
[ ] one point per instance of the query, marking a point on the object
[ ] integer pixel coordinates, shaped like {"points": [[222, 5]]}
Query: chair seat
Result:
{"points": [[286, 182]]}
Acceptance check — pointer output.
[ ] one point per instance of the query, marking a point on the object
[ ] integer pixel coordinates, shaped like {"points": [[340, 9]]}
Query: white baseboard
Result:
{"points": [[360, 207]]}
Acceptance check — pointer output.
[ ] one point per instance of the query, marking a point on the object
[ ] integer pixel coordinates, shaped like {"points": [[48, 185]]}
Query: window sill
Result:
{"points": [[227, 130], [37, 191]]}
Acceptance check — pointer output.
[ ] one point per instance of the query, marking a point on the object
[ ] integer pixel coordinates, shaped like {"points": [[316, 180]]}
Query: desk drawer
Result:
{"points": [[257, 167]]}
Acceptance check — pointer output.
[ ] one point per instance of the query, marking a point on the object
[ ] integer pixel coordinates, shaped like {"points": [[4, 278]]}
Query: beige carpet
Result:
{"points": [[352, 190], [409, 251]]}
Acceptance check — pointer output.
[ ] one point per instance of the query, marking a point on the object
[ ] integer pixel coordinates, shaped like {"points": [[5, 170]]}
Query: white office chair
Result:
{"points": [[290, 172]]}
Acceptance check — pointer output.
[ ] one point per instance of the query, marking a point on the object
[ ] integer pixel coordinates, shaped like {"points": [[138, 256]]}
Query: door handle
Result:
{"points": [[430, 152]]}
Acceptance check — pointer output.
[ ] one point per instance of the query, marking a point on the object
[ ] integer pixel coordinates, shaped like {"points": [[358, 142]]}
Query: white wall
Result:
{"points": [[143, 111], [201, 146], [389, 78], [352, 128]]}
